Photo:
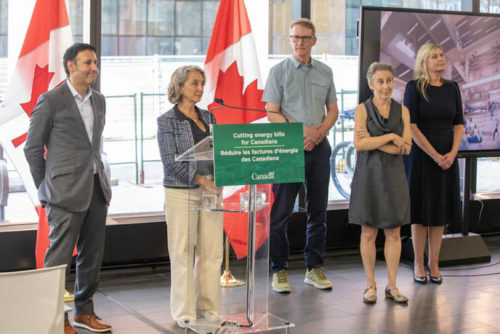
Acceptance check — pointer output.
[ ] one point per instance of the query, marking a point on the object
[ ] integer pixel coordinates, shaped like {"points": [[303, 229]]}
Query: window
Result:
{"points": [[143, 42], [75, 12], [280, 16], [4, 29], [4, 25], [163, 27], [490, 6]]}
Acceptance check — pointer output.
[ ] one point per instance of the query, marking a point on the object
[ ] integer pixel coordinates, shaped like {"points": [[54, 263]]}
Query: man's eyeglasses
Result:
{"points": [[296, 38]]}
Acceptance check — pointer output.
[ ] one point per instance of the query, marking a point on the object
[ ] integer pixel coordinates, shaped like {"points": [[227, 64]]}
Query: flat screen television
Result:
{"points": [[471, 43]]}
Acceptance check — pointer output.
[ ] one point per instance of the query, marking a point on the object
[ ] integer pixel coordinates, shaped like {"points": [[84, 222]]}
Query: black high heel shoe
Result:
{"points": [[434, 279], [437, 280], [421, 280]]}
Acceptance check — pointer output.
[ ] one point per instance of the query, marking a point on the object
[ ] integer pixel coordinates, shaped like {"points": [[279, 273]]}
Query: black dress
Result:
{"points": [[379, 191], [434, 193]]}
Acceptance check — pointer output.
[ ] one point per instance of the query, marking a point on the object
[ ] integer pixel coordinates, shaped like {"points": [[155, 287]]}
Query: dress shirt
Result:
{"points": [[302, 91], [86, 111]]}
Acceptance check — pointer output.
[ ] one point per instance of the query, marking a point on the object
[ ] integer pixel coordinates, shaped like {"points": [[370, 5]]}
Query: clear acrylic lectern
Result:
{"points": [[244, 211]]}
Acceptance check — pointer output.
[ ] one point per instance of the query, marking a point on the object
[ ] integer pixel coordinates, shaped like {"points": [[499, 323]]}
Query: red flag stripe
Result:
{"points": [[42, 237], [231, 24], [47, 16], [42, 240], [19, 140]]}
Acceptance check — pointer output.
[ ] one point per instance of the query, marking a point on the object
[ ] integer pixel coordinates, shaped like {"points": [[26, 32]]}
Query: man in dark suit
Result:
{"points": [[63, 150]]}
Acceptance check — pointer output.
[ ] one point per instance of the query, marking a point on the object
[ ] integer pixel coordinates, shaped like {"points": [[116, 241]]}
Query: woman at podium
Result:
{"points": [[194, 235], [379, 191]]}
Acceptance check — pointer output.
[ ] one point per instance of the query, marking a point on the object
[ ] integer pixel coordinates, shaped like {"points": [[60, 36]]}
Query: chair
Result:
{"points": [[32, 301]]}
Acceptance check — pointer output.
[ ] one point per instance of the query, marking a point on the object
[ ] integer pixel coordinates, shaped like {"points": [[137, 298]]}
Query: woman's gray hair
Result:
{"points": [[377, 66], [178, 80]]}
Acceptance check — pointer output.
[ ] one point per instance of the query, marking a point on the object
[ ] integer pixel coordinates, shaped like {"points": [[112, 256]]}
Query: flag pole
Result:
{"points": [[227, 280]]}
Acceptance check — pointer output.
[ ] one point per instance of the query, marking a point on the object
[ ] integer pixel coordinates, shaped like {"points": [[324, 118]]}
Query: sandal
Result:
{"points": [[394, 294], [370, 298]]}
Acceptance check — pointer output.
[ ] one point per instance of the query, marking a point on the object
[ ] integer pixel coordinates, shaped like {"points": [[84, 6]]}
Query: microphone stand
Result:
{"points": [[211, 125], [221, 102]]}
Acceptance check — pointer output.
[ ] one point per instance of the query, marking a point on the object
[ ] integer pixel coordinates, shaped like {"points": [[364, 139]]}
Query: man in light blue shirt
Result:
{"points": [[301, 89]]}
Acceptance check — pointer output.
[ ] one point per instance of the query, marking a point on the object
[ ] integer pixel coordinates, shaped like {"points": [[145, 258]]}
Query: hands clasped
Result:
{"points": [[445, 161], [312, 137], [208, 185]]}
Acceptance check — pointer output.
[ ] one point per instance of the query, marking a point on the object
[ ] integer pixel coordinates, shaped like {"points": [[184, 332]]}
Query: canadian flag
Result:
{"points": [[232, 74], [39, 68]]}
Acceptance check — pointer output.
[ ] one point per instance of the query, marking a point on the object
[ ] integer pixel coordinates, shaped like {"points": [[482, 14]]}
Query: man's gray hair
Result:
{"points": [[377, 66], [178, 80], [305, 23]]}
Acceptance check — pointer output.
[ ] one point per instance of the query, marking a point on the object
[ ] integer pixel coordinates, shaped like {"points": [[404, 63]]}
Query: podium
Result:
{"points": [[244, 209]]}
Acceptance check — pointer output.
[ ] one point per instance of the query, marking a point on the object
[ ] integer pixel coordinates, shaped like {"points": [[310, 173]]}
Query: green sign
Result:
{"points": [[258, 153]]}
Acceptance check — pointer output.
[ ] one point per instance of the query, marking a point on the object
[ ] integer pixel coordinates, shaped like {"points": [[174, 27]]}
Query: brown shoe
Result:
{"points": [[68, 329], [91, 322]]}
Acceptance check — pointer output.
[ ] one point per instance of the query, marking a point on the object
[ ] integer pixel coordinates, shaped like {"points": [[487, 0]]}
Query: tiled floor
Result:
{"points": [[136, 301]]}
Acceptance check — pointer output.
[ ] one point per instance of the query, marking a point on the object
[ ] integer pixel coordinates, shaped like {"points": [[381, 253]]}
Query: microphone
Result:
{"points": [[221, 102], [212, 117]]}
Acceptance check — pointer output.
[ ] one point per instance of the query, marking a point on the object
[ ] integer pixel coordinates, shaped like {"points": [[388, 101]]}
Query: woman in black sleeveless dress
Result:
{"points": [[379, 191], [437, 127]]}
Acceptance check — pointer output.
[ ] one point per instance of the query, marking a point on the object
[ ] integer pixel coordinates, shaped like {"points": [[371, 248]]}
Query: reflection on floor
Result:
{"points": [[137, 300]]}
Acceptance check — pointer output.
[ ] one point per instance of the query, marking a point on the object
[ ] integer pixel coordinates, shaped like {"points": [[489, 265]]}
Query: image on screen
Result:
{"points": [[471, 44]]}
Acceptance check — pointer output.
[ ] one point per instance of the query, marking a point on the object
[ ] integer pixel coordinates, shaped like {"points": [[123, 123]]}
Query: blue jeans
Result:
{"points": [[317, 179]]}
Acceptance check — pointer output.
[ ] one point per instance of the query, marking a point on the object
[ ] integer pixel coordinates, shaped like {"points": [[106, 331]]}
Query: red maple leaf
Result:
{"points": [[41, 81], [229, 88]]}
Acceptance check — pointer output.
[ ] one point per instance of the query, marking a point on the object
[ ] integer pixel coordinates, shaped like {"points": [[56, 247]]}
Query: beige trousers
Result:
{"points": [[195, 248]]}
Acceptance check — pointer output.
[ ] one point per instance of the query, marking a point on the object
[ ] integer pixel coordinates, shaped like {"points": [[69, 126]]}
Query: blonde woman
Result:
{"points": [[379, 192], [437, 126]]}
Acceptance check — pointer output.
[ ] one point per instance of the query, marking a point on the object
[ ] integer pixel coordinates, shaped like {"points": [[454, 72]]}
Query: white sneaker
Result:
{"points": [[280, 281], [316, 277]]}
